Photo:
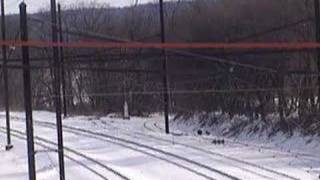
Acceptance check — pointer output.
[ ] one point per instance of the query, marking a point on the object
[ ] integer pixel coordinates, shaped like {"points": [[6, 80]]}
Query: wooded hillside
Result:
{"points": [[252, 83]]}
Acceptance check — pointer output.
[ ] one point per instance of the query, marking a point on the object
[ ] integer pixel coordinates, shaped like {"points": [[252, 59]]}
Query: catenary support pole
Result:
{"points": [[57, 88], [27, 92], [317, 30], [61, 39], [5, 76], [165, 70]]}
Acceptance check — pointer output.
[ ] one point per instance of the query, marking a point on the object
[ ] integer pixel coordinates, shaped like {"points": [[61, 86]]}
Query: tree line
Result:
{"points": [[274, 88]]}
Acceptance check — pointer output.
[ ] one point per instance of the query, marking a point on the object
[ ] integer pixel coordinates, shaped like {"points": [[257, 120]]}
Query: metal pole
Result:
{"points": [[65, 112], [27, 91], [57, 88], [5, 76], [317, 22], [165, 70]]}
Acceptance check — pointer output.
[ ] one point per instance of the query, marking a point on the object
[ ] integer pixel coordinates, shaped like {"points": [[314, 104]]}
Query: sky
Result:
{"points": [[12, 6]]}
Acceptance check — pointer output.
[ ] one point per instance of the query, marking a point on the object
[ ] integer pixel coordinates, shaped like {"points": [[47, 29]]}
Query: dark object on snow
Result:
{"points": [[221, 141], [207, 133], [214, 141], [9, 147], [218, 141], [200, 132]]}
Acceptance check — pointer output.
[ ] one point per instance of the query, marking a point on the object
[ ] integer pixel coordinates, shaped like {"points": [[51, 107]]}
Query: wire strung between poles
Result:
{"points": [[141, 45], [182, 92]]}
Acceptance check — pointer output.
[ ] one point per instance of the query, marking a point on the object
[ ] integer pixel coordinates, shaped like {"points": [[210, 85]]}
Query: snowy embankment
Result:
{"points": [[112, 148], [240, 129]]}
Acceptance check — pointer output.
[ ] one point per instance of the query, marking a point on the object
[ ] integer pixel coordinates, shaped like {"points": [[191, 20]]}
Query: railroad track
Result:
{"points": [[274, 173], [300, 156], [143, 149], [47, 144], [233, 162]]}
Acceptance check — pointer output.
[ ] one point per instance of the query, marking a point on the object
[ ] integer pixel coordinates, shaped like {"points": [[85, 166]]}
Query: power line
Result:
{"points": [[224, 61], [130, 70], [273, 29], [206, 91], [94, 57], [114, 70], [88, 34], [220, 60], [100, 36], [116, 39], [141, 45]]}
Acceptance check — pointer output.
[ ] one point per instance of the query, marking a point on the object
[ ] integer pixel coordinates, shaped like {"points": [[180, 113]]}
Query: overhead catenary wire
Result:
{"points": [[188, 92], [100, 36], [258, 34], [95, 57], [211, 58], [39, 67], [182, 45], [275, 45], [116, 39], [94, 35], [273, 29], [155, 71]]}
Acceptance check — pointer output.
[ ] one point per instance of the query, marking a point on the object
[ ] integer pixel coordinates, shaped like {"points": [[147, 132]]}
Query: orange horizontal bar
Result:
{"points": [[137, 45]]}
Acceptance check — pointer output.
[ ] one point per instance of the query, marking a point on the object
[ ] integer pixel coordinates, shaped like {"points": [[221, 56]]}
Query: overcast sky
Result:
{"points": [[35, 5]]}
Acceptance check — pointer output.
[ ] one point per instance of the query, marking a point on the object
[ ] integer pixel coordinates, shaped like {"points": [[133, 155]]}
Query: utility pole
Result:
{"points": [[57, 88], [64, 99], [5, 76], [317, 23], [126, 115], [27, 91], [165, 70]]}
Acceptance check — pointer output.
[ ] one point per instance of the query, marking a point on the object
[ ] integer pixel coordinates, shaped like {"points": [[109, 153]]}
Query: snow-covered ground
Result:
{"points": [[112, 148]]}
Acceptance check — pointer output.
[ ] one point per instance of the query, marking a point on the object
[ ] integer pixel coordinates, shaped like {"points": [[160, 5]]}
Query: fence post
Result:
{"points": [[317, 30], [165, 70], [57, 88], [5, 76], [64, 99], [27, 91]]}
